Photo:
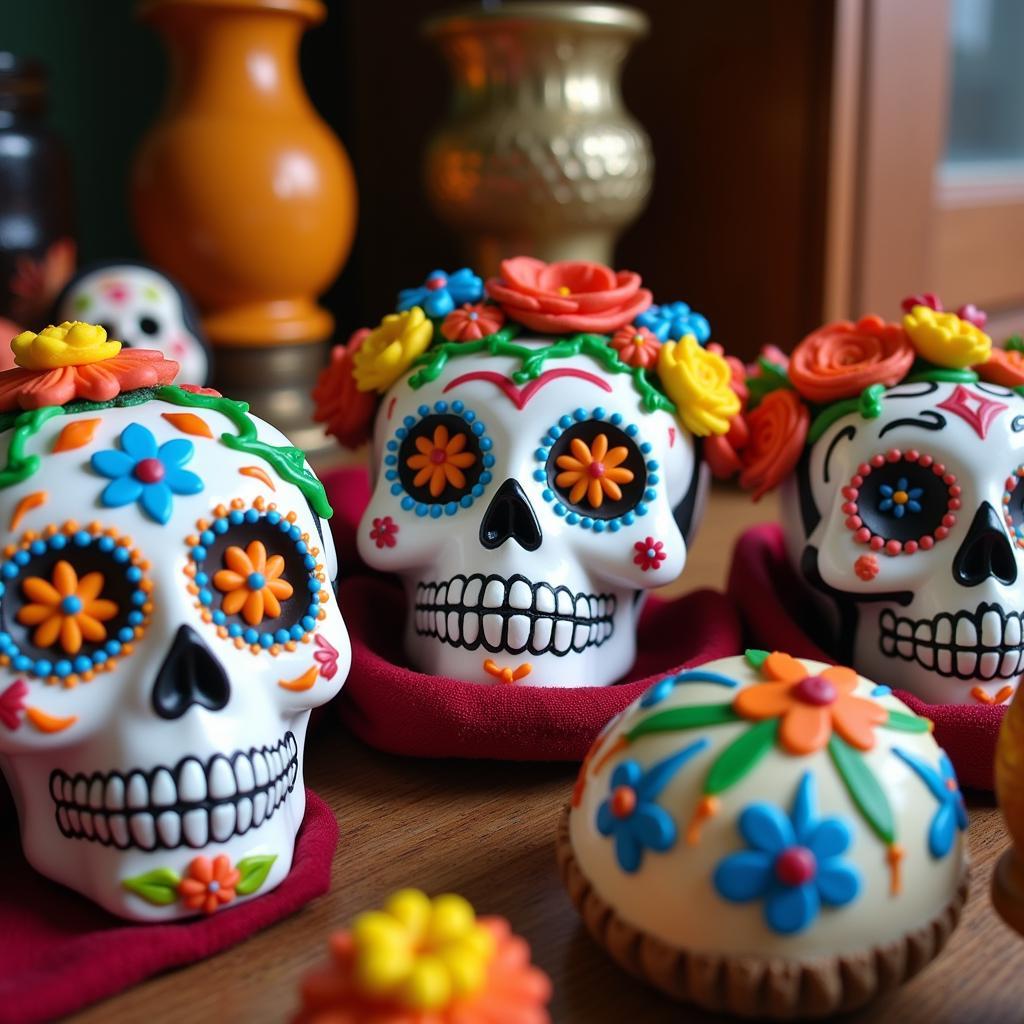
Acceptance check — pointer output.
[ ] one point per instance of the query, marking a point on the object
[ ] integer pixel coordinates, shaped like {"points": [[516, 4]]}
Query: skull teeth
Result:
{"points": [[983, 644], [192, 804], [512, 616]]}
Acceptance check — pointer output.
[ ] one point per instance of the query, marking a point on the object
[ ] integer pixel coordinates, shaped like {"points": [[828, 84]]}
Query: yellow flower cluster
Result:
{"points": [[700, 384], [389, 350], [945, 339], [70, 344], [419, 952]]}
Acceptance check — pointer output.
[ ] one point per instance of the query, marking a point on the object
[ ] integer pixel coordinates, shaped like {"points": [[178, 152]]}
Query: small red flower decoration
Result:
{"points": [[637, 346], [12, 703], [326, 656], [384, 532], [209, 885], [338, 403], [472, 322], [650, 553], [866, 567]]}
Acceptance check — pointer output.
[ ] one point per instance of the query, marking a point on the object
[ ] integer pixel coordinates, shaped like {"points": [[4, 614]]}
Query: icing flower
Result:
{"points": [[251, 583], [593, 471], [12, 703], [722, 452], [440, 462], [142, 472], [66, 609], [699, 382], [841, 359], [1004, 366], [674, 320], [71, 344], [952, 813], [472, 322], [563, 297], [389, 350], [440, 293], [866, 567], [637, 346], [338, 402], [650, 553], [810, 707], [901, 499], [209, 884], [946, 339], [384, 532], [778, 428], [793, 862], [326, 656]]}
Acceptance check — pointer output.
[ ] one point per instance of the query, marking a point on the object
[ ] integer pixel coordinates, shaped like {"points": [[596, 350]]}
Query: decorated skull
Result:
{"points": [[902, 510], [142, 307], [536, 467], [166, 625]]}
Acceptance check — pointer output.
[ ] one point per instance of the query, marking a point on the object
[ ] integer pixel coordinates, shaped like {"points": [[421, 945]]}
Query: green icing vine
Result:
{"points": [[941, 375], [20, 467], [287, 461], [868, 404]]}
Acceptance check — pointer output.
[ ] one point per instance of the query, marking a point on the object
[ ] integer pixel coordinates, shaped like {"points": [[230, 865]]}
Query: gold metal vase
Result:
{"points": [[539, 155]]}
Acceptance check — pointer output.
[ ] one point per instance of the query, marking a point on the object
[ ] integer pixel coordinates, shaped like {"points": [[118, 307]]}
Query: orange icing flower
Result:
{"points": [[1004, 366], [593, 471], [637, 346], [338, 402], [778, 428], [471, 322], [841, 359], [251, 583], [67, 608], [441, 461], [209, 885], [811, 707]]}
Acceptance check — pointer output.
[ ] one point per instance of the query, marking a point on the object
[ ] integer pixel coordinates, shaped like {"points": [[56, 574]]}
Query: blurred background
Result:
{"points": [[813, 158]]}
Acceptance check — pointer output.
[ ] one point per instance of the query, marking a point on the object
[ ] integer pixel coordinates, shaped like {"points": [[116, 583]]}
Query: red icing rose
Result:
{"points": [[560, 298], [470, 323], [723, 452], [346, 411], [778, 430]]}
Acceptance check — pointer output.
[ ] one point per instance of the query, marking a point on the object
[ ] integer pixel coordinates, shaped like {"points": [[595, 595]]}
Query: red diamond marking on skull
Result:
{"points": [[976, 410]]}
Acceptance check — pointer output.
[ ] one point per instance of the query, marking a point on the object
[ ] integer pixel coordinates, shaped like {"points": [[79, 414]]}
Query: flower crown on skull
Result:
{"points": [[788, 402], [577, 307]]}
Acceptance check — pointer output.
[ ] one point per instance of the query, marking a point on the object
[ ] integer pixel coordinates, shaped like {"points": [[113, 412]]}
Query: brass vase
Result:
{"points": [[539, 155]]}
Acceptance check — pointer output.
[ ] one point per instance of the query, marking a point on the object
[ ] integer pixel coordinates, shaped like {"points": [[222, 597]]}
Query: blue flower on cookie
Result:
{"points": [[440, 293], [952, 812], [631, 812], [673, 321], [145, 473], [793, 863]]}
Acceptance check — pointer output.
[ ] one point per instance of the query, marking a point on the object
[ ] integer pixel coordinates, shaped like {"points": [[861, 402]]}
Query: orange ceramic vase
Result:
{"points": [[240, 190]]}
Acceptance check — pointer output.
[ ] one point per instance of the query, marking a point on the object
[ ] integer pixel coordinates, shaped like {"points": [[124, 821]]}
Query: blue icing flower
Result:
{"points": [[631, 813], [440, 293], [142, 472], [673, 320], [952, 814], [793, 862], [900, 499]]}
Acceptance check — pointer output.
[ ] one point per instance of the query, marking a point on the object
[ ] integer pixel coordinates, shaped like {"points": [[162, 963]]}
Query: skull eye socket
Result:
{"points": [[257, 576], [73, 602], [901, 503], [1013, 505]]}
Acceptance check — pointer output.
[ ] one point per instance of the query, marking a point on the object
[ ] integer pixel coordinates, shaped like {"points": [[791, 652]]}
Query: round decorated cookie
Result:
{"points": [[768, 836]]}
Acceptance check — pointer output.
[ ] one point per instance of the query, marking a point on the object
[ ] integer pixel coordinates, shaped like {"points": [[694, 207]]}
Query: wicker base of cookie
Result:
{"points": [[750, 986]]}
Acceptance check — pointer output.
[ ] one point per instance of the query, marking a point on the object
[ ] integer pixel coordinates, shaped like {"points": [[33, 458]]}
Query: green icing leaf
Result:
{"points": [[684, 718], [740, 756], [869, 404], [906, 723], [755, 658], [159, 886], [254, 871], [863, 788], [19, 465], [772, 377], [1015, 343]]}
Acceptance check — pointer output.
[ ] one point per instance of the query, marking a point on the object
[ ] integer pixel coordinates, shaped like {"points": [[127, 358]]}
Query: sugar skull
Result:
{"points": [[166, 624], [902, 510], [143, 308], [536, 463]]}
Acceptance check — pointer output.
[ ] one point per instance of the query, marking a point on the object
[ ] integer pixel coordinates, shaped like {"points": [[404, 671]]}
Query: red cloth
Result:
{"points": [[348, 491], [768, 594], [59, 952]]}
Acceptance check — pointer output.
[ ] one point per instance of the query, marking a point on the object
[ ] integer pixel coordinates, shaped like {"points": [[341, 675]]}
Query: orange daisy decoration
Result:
{"points": [[251, 583], [209, 884], [440, 461], [66, 608], [811, 707], [594, 471]]}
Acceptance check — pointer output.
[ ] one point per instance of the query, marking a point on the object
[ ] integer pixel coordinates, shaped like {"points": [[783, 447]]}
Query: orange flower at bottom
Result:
{"points": [[209, 884], [811, 707], [515, 991]]}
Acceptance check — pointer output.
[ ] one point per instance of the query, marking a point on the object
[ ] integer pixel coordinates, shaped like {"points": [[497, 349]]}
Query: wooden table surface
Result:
{"points": [[486, 830]]}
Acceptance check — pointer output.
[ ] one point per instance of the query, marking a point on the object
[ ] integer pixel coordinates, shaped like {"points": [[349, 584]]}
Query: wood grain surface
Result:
{"points": [[486, 830]]}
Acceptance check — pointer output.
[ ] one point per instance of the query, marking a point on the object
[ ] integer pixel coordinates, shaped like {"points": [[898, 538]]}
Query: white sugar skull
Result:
{"points": [[167, 625], [142, 308], [909, 526], [527, 519]]}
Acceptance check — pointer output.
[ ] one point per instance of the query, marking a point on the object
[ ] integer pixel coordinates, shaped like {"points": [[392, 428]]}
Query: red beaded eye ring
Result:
{"points": [[1016, 528]]}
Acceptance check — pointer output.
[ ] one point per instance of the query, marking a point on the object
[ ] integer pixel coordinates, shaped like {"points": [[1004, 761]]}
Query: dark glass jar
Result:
{"points": [[36, 220]]}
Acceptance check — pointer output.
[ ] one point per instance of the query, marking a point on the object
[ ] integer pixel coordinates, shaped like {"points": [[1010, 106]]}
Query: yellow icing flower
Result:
{"points": [[699, 382], [70, 344], [419, 952], [945, 339], [388, 351]]}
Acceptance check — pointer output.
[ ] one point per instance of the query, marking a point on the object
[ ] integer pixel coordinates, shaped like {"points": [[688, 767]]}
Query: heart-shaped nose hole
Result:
{"points": [[189, 675], [986, 552], [510, 516]]}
